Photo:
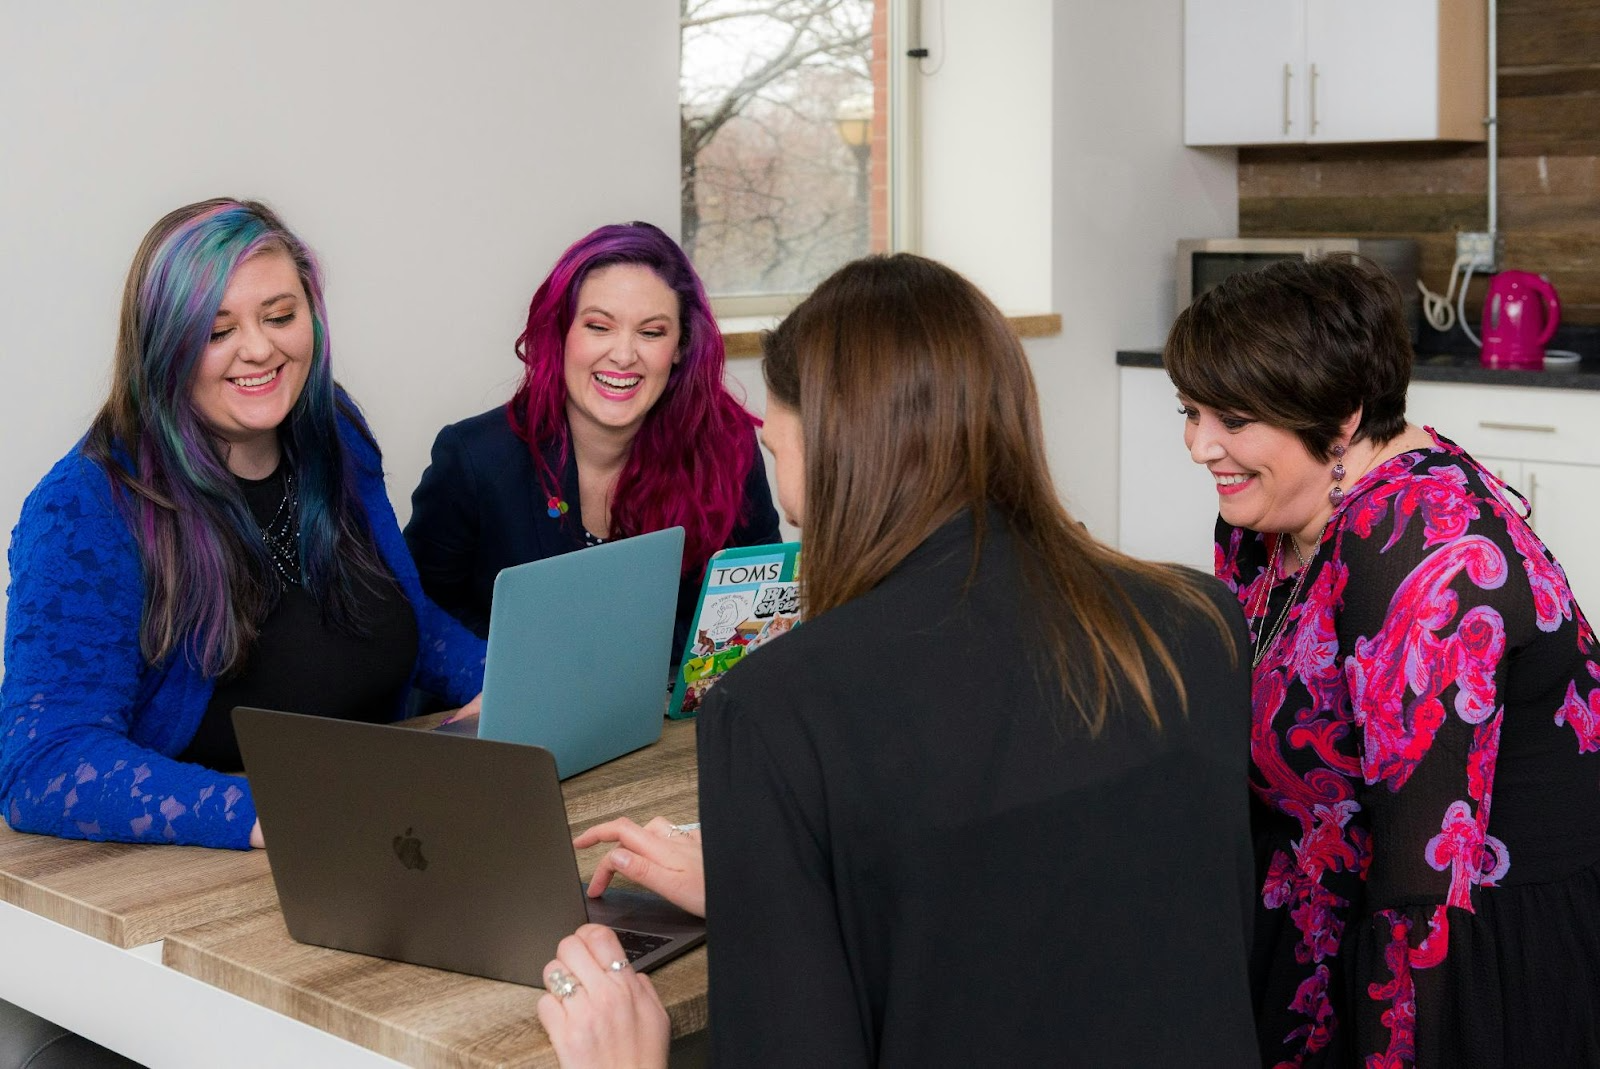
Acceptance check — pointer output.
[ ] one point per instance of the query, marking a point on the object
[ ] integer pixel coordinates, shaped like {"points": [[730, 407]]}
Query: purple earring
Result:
{"points": [[1336, 495]]}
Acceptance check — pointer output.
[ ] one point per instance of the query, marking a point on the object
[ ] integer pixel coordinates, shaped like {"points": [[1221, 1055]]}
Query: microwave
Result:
{"points": [[1204, 262]]}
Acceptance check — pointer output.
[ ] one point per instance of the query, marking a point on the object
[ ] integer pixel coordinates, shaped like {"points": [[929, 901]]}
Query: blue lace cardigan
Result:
{"points": [[88, 730]]}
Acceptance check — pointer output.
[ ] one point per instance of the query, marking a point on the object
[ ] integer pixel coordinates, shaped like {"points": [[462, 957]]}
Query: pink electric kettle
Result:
{"points": [[1520, 313]]}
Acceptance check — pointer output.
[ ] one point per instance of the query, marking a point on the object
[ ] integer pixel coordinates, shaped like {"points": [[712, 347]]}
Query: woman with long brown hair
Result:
{"points": [[986, 805]]}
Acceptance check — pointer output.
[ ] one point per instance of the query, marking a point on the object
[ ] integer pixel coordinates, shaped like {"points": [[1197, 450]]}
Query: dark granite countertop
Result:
{"points": [[1451, 367]]}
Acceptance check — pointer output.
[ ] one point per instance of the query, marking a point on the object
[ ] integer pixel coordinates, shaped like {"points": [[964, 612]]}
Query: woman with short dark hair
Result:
{"points": [[1416, 652]]}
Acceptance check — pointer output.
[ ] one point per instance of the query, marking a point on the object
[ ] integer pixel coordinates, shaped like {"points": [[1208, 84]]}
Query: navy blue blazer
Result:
{"points": [[480, 508]]}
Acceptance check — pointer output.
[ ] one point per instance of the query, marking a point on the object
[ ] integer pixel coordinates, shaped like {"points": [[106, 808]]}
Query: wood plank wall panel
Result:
{"points": [[1549, 169]]}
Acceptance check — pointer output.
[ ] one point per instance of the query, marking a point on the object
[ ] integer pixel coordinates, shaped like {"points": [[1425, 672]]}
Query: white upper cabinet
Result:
{"points": [[1261, 72], [1244, 66]]}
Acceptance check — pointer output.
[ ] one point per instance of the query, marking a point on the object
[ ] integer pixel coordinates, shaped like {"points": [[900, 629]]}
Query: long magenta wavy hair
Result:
{"points": [[688, 462]]}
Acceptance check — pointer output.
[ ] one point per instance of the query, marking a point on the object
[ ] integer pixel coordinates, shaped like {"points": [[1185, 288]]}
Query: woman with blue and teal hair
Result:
{"points": [[220, 537]]}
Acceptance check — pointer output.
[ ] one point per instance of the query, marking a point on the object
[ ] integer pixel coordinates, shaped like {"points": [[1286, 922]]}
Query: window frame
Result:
{"points": [[903, 167]]}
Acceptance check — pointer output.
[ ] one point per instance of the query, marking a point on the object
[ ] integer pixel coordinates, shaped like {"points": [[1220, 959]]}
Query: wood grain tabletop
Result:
{"points": [[129, 894], [429, 1017]]}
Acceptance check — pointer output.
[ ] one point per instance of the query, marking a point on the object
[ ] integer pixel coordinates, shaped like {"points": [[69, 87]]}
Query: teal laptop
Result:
{"points": [[576, 645]]}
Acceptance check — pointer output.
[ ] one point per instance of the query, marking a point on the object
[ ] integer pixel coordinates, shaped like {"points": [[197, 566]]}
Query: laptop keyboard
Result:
{"points": [[637, 944]]}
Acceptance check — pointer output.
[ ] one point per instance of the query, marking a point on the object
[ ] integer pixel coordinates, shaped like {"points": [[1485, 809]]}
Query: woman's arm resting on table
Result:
{"points": [[76, 686]]}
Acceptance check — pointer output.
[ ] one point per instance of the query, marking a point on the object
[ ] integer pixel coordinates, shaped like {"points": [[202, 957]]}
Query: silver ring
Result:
{"points": [[681, 829], [561, 984], [618, 966]]}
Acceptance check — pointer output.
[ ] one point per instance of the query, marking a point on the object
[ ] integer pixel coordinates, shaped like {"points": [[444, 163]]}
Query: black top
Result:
{"points": [[480, 508], [302, 664], [914, 858]]}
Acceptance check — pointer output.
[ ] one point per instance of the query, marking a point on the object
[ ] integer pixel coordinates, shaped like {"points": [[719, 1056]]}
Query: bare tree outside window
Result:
{"points": [[783, 138]]}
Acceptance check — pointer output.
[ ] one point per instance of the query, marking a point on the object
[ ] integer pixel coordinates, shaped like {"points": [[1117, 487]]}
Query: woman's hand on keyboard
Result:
{"points": [[662, 856], [598, 1012]]}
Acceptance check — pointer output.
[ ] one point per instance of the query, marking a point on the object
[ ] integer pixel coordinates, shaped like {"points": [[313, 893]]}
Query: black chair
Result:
{"points": [[31, 1042]]}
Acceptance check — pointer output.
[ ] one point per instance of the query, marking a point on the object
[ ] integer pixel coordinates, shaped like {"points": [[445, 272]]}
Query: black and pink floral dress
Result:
{"points": [[1434, 663]]}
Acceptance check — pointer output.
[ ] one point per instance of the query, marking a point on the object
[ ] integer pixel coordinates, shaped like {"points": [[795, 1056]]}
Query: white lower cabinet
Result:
{"points": [[1565, 499]]}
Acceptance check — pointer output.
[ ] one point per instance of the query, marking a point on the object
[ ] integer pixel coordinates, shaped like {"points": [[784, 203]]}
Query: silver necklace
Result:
{"points": [[281, 534], [1266, 639]]}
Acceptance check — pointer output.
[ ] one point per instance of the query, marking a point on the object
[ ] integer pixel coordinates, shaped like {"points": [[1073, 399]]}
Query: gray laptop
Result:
{"points": [[577, 646], [432, 849]]}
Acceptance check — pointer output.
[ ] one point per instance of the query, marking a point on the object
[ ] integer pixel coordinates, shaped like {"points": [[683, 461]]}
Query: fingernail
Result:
{"points": [[621, 858]]}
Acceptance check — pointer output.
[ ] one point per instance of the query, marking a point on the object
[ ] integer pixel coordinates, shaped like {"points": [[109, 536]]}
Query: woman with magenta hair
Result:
{"points": [[220, 537], [622, 425]]}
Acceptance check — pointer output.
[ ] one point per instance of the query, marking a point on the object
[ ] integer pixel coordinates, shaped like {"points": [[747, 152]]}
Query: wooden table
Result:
{"points": [[125, 894], [202, 995]]}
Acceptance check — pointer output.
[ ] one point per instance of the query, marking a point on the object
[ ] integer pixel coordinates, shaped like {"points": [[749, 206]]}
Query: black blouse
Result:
{"points": [[479, 508], [915, 858], [303, 664]]}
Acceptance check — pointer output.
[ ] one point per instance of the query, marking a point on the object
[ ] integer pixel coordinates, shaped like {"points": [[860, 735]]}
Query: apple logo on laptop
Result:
{"points": [[408, 848]]}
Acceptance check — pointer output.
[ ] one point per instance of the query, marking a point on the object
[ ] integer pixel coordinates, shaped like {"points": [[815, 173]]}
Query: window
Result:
{"points": [[784, 125]]}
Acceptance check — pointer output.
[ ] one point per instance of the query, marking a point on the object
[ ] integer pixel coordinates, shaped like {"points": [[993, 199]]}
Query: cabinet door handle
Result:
{"points": [[1288, 75], [1314, 120], [1495, 425]]}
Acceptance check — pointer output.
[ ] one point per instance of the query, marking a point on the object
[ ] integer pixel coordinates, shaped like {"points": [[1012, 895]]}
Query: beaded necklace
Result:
{"points": [[282, 534], [1266, 639]]}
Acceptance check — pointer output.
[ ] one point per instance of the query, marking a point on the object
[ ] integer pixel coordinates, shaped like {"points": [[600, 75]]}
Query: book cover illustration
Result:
{"points": [[750, 596]]}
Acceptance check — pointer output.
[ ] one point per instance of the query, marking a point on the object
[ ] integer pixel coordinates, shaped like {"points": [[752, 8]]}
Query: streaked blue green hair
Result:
{"points": [[208, 578]]}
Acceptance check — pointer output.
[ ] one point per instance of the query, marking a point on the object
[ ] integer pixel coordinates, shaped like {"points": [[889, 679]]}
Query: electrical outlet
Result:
{"points": [[1478, 250]]}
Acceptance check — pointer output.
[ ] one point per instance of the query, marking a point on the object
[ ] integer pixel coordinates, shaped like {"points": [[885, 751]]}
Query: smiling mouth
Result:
{"points": [[252, 381], [1232, 483], [618, 382]]}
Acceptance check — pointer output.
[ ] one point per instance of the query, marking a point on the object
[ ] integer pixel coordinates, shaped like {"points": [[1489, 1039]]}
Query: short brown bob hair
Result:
{"points": [[1301, 345]]}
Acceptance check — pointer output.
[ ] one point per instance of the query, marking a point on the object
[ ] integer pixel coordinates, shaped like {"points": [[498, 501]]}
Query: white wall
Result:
{"points": [[437, 156], [1125, 190], [1056, 178], [985, 144]]}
